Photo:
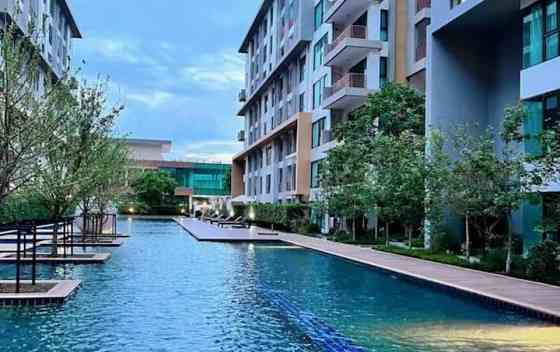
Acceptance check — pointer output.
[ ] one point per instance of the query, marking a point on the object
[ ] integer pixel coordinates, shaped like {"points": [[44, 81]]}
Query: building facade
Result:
{"points": [[199, 184], [55, 28], [485, 55], [309, 63]]}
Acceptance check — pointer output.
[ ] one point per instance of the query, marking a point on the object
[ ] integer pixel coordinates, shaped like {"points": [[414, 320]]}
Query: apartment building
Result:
{"points": [[55, 27], [309, 64], [485, 55]]}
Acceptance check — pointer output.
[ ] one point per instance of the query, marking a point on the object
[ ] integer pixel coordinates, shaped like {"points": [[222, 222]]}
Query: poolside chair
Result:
{"points": [[217, 220], [239, 222]]}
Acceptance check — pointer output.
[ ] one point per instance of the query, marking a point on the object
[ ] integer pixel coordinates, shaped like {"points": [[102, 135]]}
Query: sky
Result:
{"points": [[174, 65]]}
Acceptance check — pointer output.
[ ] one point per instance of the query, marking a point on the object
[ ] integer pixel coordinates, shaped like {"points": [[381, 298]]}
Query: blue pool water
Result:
{"points": [[164, 291]]}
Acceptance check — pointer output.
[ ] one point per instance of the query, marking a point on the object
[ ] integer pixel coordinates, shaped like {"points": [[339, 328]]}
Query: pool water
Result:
{"points": [[164, 291]]}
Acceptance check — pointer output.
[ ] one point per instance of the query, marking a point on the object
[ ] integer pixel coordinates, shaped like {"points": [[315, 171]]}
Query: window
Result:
{"points": [[454, 3], [551, 118], [317, 130], [318, 88], [319, 52], [541, 33], [319, 14], [268, 180], [302, 102], [382, 71], [280, 178], [302, 69], [384, 30], [268, 155], [316, 174]]}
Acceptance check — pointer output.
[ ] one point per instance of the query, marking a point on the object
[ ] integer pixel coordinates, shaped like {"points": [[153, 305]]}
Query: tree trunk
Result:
{"points": [[376, 230], [409, 233], [387, 234], [509, 244], [467, 238], [354, 229]]}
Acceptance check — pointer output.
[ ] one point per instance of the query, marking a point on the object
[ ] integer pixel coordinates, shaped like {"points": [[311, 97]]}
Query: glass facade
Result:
{"points": [[204, 179], [541, 33]]}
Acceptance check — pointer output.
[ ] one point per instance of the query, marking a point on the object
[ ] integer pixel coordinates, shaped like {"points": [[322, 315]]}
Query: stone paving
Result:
{"points": [[536, 298]]}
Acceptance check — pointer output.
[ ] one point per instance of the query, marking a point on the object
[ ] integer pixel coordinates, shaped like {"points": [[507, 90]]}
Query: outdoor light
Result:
{"points": [[232, 213], [131, 210], [182, 211], [252, 214]]}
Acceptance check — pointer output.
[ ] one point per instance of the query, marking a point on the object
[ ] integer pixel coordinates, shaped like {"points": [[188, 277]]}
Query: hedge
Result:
{"points": [[286, 216]]}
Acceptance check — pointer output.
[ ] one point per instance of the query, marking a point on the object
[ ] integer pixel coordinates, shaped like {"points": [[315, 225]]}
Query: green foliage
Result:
{"points": [[309, 229], [443, 242], [155, 188], [286, 216], [542, 262], [22, 206]]}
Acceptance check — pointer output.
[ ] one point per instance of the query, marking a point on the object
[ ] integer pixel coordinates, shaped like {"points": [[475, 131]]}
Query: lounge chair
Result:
{"points": [[212, 221], [216, 218], [239, 222]]}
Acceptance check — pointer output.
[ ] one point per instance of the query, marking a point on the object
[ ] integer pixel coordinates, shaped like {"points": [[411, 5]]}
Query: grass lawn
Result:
{"points": [[444, 258]]}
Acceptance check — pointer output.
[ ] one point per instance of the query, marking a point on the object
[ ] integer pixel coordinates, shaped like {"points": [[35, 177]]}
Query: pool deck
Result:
{"points": [[538, 299], [78, 259], [58, 294]]}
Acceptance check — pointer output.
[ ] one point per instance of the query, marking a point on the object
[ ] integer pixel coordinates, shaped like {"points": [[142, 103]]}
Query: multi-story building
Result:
{"points": [[309, 64], [54, 28], [199, 184], [485, 55]]}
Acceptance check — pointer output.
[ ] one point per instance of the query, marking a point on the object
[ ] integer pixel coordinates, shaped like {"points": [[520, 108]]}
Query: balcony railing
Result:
{"points": [[350, 80], [357, 32], [423, 4], [241, 136], [420, 51]]}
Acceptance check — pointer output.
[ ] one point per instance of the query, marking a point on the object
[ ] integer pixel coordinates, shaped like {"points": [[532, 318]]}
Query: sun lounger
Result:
{"points": [[239, 222], [212, 221]]}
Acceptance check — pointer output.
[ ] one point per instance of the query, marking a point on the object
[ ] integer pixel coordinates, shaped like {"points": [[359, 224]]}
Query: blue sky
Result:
{"points": [[173, 64]]}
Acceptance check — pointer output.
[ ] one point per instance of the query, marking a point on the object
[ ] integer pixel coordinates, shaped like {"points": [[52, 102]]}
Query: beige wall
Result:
{"points": [[303, 145], [401, 40], [237, 171]]}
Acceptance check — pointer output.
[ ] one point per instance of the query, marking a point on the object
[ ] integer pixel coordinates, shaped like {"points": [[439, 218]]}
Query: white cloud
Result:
{"points": [[152, 99], [216, 72], [115, 49], [208, 151]]}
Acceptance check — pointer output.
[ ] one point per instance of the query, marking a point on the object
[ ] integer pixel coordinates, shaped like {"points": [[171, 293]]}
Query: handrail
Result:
{"points": [[352, 31], [349, 80]]}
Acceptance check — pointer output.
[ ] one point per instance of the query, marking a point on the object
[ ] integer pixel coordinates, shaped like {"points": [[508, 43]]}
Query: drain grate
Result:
{"points": [[318, 332]]}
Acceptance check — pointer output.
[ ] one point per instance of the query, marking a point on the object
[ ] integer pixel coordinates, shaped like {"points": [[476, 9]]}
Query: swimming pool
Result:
{"points": [[164, 291]]}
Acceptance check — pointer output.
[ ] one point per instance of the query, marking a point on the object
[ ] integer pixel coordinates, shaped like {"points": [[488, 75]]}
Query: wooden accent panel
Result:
{"points": [[401, 28], [237, 171], [303, 145]]}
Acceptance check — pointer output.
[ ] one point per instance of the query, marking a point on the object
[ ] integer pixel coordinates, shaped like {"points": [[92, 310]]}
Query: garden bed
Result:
{"points": [[26, 288]]}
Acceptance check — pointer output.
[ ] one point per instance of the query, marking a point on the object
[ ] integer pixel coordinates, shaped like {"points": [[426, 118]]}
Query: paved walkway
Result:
{"points": [[535, 297]]}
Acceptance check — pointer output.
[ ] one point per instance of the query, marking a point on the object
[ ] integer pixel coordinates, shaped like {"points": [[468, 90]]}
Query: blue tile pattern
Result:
{"points": [[320, 334]]}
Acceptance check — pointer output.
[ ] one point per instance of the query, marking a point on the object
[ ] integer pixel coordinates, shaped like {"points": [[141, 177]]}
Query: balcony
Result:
{"points": [[423, 4], [242, 96], [350, 47], [343, 12], [241, 136], [348, 93]]}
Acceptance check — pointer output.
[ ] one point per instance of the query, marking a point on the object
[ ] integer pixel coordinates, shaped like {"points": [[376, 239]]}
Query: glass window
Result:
{"points": [[551, 46], [552, 16], [302, 102], [533, 37], [318, 88], [552, 112], [384, 25], [317, 130], [315, 174], [268, 178], [319, 13], [302, 69], [319, 52], [382, 71]]}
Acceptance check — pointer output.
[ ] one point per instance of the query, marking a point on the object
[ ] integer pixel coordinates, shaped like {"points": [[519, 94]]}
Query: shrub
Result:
{"points": [[22, 207], [443, 241], [494, 260], [309, 228], [542, 262]]}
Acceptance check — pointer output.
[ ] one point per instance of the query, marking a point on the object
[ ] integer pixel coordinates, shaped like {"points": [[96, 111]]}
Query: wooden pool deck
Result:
{"points": [[59, 293], [537, 299]]}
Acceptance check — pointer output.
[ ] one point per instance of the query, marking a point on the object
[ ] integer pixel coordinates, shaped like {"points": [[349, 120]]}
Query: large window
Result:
{"points": [[319, 13], [542, 114], [317, 131], [384, 33], [319, 52], [382, 71], [318, 88], [541, 33], [316, 174]]}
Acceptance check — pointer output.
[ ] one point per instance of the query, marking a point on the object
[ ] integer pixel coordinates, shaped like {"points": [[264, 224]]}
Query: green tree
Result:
{"points": [[154, 188], [26, 125]]}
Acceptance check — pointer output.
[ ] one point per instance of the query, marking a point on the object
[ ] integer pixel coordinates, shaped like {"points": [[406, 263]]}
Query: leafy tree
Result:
{"points": [[154, 188], [227, 181], [27, 126]]}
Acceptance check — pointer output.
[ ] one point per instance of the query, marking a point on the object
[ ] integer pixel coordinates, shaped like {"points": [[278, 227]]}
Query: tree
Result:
{"points": [[154, 187], [475, 178], [26, 125], [227, 181]]}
